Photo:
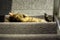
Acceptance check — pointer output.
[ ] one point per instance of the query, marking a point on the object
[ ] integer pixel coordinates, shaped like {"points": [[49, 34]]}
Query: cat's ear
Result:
{"points": [[11, 14], [24, 16]]}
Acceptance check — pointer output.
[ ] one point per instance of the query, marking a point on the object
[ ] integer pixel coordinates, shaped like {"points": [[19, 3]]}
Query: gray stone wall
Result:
{"points": [[30, 7], [33, 7]]}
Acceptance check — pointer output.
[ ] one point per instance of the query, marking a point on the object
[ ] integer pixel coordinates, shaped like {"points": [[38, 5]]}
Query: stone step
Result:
{"points": [[28, 28], [28, 36]]}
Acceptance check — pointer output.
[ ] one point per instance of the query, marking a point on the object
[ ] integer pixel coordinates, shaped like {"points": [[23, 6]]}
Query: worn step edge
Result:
{"points": [[28, 35]]}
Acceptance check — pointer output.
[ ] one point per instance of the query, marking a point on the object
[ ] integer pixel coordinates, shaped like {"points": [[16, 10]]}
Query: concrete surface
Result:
{"points": [[33, 7]]}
